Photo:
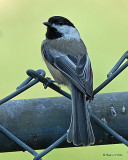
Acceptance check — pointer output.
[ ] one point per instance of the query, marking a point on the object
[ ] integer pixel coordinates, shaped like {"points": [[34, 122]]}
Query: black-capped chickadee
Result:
{"points": [[66, 58]]}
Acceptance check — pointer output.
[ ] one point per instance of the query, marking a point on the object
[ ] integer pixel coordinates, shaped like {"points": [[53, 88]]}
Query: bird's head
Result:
{"points": [[60, 27]]}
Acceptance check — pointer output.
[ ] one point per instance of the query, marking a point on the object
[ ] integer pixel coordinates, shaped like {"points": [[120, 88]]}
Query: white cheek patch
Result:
{"points": [[68, 32]]}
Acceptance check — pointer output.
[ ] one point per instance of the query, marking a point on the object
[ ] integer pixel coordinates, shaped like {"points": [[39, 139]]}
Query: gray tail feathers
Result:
{"points": [[80, 130]]}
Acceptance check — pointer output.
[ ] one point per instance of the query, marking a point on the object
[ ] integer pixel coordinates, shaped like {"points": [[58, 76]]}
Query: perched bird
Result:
{"points": [[66, 58]]}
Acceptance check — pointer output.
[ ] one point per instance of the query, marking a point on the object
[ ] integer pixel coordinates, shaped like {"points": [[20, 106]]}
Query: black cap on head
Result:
{"points": [[58, 20]]}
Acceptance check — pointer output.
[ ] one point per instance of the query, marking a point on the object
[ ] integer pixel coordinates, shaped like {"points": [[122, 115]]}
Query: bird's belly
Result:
{"points": [[57, 75]]}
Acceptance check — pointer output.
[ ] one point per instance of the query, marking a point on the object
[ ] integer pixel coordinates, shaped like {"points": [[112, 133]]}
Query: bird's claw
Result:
{"points": [[49, 81]]}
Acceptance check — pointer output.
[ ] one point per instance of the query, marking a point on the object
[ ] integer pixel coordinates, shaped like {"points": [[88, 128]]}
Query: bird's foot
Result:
{"points": [[49, 81]]}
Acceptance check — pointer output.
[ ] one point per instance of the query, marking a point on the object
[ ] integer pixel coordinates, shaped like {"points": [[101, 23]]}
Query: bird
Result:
{"points": [[66, 57]]}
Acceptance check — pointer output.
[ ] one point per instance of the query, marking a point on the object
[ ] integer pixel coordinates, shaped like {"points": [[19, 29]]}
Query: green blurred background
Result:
{"points": [[103, 26]]}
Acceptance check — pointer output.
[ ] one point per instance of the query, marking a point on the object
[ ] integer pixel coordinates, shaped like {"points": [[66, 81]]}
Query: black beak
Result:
{"points": [[48, 24]]}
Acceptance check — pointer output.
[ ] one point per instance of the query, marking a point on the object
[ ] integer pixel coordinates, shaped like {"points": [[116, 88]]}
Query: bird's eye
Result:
{"points": [[60, 23]]}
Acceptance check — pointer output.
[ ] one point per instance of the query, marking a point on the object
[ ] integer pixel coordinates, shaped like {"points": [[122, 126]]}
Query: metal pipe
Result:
{"points": [[40, 122]]}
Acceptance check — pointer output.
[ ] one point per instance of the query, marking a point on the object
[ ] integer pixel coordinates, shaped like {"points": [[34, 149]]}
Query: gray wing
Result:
{"points": [[76, 68]]}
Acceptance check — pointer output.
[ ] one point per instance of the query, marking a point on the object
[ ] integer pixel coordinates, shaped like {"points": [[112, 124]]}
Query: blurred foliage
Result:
{"points": [[103, 26]]}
